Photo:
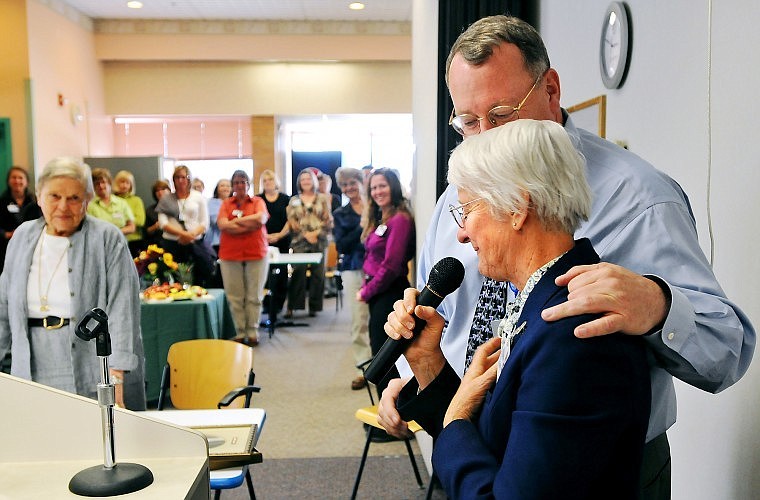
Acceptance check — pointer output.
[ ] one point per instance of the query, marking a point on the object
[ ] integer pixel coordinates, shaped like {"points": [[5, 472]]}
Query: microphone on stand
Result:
{"points": [[445, 277], [110, 478]]}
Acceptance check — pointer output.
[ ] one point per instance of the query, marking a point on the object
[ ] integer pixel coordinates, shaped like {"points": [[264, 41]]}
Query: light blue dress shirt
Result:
{"points": [[640, 219]]}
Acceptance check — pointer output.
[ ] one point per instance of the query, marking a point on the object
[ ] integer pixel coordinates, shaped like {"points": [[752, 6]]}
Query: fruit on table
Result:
{"points": [[174, 291], [162, 291], [180, 295]]}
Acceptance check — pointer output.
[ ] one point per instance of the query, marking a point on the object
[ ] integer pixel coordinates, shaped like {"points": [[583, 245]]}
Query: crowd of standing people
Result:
{"points": [[86, 219]]}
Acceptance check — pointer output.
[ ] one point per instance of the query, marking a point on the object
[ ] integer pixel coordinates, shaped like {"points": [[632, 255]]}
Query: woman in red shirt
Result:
{"points": [[243, 256]]}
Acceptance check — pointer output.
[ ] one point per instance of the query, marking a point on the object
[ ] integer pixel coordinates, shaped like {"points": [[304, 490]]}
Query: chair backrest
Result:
{"points": [[203, 371], [332, 256]]}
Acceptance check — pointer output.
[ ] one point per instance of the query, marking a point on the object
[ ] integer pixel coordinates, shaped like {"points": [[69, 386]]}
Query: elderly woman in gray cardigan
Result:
{"points": [[58, 268]]}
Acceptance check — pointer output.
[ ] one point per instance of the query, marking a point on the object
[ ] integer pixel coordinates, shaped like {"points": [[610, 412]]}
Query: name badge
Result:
{"points": [[237, 213], [381, 229], [13, 208]]}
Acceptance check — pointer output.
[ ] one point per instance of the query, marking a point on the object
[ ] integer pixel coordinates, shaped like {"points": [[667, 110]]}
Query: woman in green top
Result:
{"points": [[107, 207], [124, 187]]}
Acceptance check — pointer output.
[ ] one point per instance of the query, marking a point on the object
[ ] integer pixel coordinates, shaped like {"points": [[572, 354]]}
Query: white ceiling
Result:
{"points": [[292, 10]]}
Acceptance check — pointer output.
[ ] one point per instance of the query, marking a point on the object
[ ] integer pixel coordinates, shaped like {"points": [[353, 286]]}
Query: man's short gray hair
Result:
{"points": [[69, 167], [477, 42], [533, 157]]}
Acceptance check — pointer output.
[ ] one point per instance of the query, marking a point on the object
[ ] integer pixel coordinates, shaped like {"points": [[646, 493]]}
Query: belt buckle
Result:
{"points": [[51, 327]]}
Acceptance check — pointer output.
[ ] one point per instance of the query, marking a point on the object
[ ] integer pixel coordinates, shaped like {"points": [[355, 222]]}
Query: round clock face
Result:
{"points": [[613, 48]]}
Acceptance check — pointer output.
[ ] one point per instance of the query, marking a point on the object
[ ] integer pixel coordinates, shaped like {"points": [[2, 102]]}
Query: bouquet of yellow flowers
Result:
{"points": [[156, 265]]}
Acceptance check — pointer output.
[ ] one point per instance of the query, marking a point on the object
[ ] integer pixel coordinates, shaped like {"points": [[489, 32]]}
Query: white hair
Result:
{"points": [[71, 168], [530, 157]]}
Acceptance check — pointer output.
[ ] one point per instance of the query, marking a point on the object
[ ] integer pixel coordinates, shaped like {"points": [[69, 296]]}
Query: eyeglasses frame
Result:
{"points": [[459, 209], [515, 112]]}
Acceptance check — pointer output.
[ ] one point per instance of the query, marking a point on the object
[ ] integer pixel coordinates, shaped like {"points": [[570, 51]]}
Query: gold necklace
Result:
{"points": [[44, 307]]}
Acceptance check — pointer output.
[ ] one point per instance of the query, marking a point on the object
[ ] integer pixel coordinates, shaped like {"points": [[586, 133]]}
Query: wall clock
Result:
{"points": [[615, 45]]}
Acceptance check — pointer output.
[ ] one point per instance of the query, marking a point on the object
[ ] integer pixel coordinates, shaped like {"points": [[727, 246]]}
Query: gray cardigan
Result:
{"points": [[101, 274]]}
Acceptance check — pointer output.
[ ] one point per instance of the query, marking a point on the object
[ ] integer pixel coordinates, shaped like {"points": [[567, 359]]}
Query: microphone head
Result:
{"points": [[446, 276]]}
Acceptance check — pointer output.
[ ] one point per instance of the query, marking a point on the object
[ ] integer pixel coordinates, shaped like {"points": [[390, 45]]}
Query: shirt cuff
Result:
{"points": [[679, 322]]}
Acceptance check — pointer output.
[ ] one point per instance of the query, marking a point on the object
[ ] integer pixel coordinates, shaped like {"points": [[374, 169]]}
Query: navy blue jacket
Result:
{"points": [[566, 419]]}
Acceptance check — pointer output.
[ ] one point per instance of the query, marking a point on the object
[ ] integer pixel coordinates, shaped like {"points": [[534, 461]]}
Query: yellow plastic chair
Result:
{"points": [[332, 273], [211, 373], [368, 415]]}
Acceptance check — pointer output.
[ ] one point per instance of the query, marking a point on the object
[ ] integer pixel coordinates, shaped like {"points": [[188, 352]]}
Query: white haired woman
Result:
{"points": [[60, 267], [347, 233], [540, 413]]}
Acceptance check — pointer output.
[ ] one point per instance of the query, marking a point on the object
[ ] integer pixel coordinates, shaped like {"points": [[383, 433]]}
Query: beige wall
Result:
{"points": [[69, 69], [257, 88], [221, 47], [14, 74], [195, 70]]}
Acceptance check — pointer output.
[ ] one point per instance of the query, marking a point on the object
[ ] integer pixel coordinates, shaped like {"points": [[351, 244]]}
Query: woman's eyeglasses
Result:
{"points": [[458, 212]]}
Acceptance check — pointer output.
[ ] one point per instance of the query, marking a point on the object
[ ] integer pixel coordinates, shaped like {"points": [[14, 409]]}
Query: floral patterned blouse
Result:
{"points": [[307, 217]]}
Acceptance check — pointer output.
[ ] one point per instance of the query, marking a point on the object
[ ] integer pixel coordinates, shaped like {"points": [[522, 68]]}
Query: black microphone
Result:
{"points": [[445, 277]]}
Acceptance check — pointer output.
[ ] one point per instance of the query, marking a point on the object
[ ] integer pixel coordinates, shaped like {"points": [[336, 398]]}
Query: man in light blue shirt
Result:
{"points": [[659, 283]]}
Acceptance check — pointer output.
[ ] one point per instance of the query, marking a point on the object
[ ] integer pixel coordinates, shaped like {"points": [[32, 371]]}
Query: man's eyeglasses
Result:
{"points": [[468, 124], [458, 212]]}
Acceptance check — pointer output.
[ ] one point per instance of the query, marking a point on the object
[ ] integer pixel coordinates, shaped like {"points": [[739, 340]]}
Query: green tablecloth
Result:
{"points": [[163, 324]]}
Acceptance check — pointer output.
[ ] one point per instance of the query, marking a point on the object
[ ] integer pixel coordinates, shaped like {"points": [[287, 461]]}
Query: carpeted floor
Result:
{"points": [[333, 478], [311, 441]]}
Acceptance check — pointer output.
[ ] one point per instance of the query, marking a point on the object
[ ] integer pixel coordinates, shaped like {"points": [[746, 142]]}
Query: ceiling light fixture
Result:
{"points": [[356, 6], [134, 4]]}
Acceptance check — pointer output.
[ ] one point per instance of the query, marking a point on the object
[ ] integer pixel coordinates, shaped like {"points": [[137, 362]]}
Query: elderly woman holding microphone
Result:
{"points": [[60, 267], [540, 413]]}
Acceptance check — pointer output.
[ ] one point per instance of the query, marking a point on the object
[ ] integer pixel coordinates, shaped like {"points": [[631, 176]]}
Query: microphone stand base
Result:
{"points": [[98, 481]]}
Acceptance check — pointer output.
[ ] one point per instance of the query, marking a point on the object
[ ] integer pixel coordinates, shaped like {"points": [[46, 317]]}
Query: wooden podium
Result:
{"points": [[48, 436]]}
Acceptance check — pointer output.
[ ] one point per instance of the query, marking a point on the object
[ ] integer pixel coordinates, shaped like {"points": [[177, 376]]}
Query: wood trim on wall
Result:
{"points": [[262, 147]]}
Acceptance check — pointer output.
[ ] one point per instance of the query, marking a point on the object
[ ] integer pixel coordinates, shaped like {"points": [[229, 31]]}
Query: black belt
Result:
{"points": [[48, 323]]}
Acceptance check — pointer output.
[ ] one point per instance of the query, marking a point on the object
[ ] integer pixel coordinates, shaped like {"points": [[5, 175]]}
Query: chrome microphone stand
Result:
{"points": [[110, 478]]}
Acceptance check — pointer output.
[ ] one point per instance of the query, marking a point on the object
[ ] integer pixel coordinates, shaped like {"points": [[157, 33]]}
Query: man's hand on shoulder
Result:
{"points": [[629, 303]]}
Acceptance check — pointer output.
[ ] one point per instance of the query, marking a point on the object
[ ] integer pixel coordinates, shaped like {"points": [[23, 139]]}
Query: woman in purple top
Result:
{"points": [[389, 240]]}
